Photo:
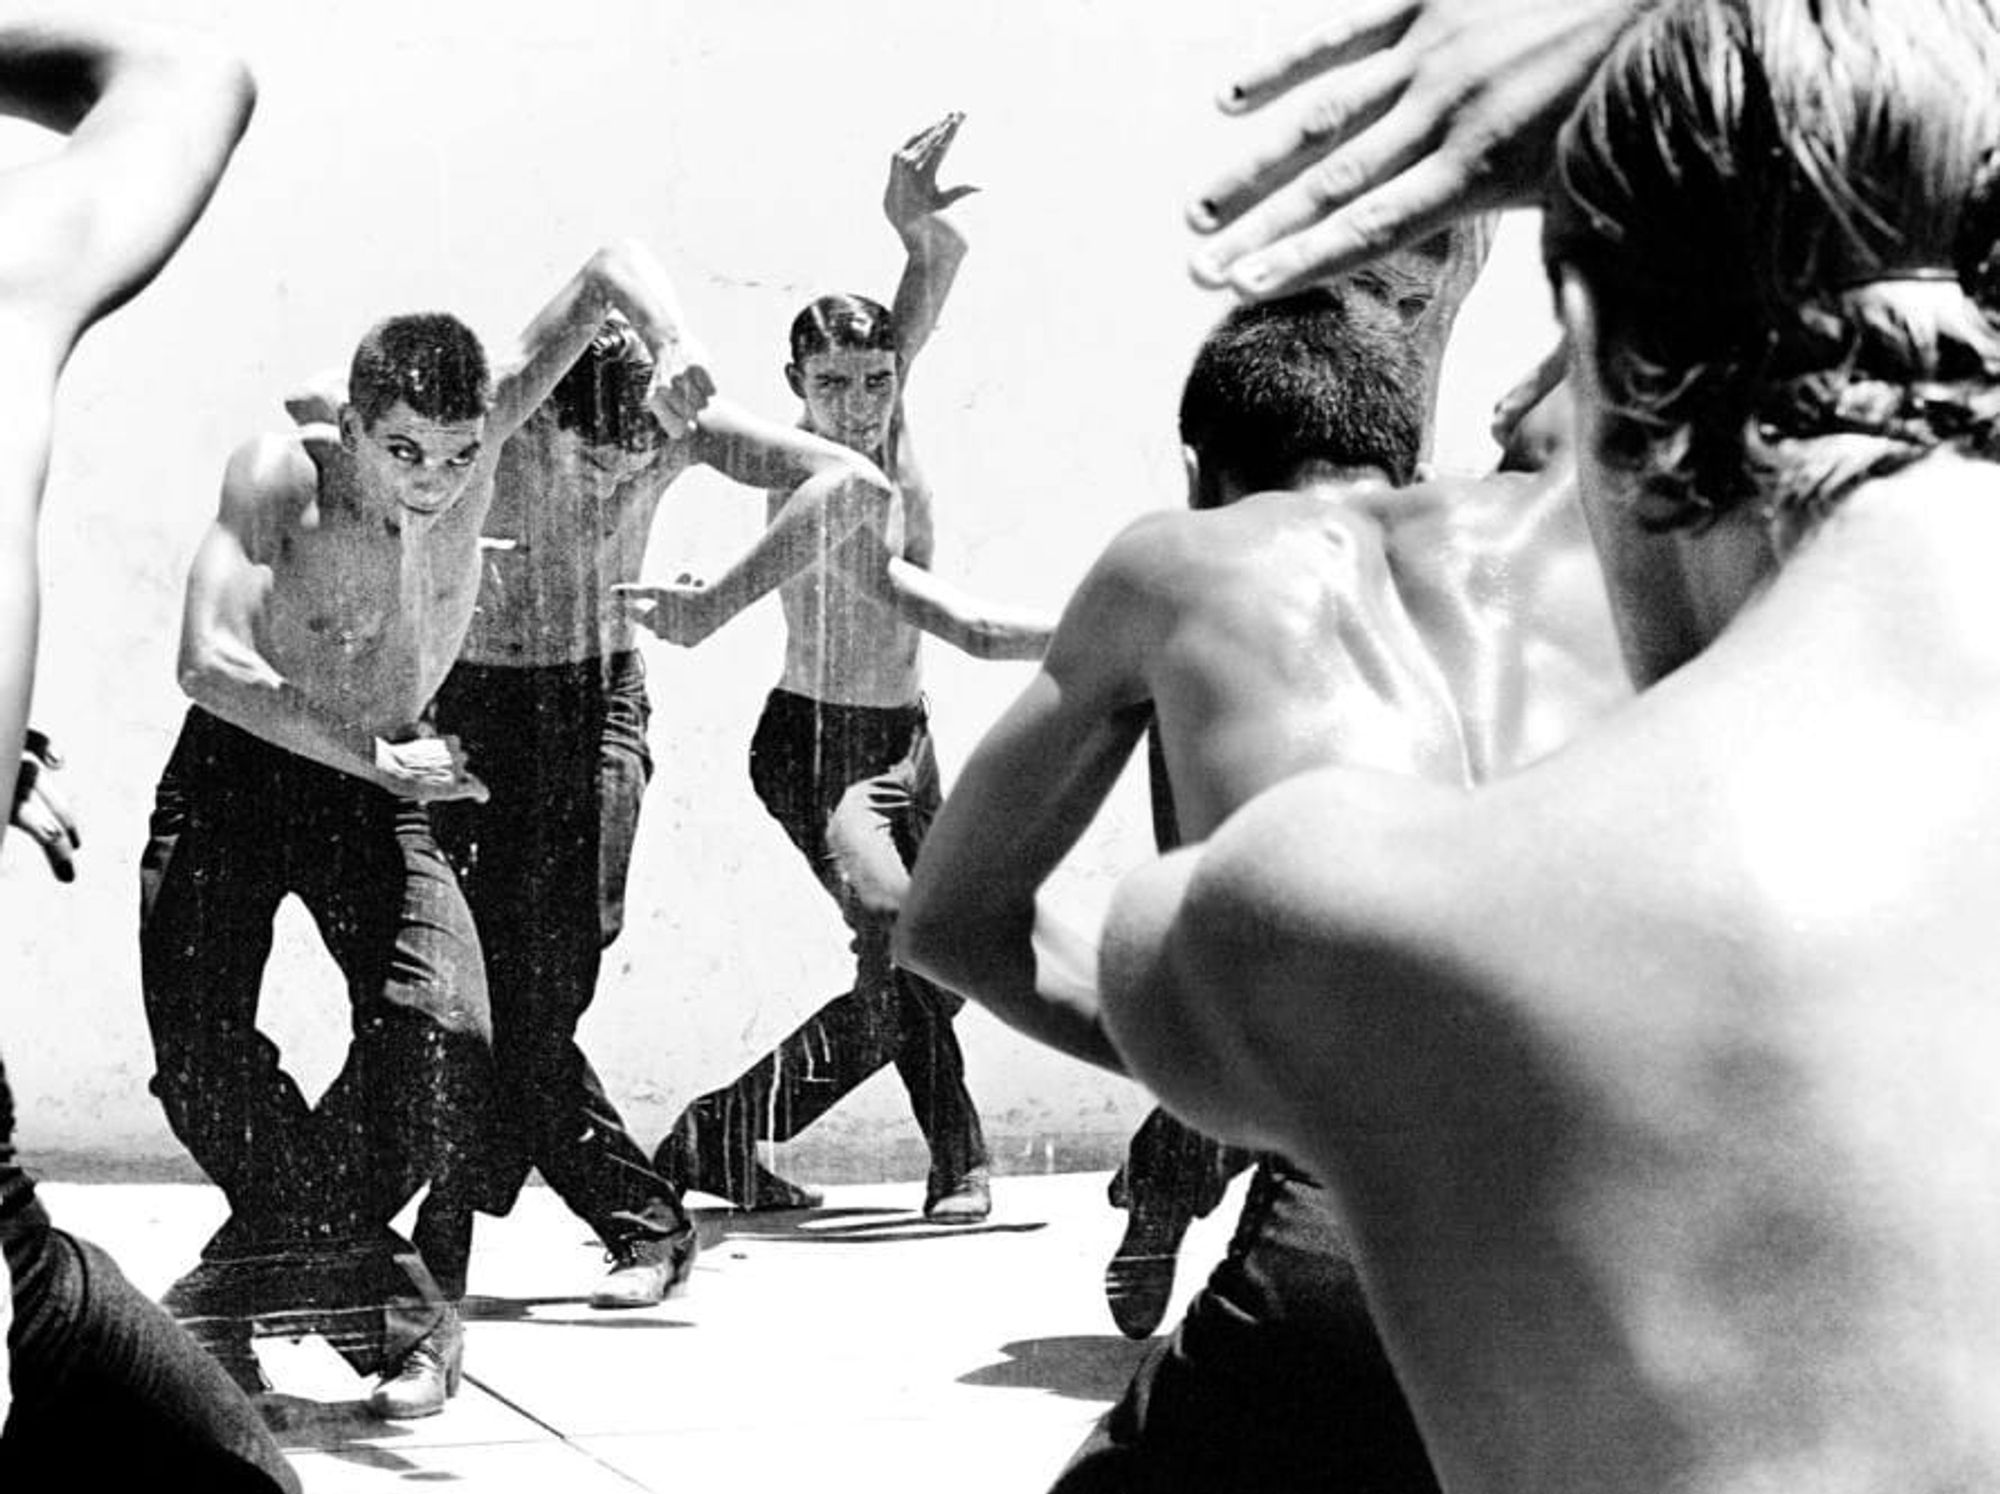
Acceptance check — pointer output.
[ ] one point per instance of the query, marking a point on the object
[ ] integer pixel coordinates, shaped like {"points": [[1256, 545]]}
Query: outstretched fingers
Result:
{"points": [[1365, 27]]}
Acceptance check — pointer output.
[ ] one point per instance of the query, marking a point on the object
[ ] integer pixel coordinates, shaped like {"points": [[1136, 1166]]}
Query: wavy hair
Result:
{"points": [[1786, 213]]}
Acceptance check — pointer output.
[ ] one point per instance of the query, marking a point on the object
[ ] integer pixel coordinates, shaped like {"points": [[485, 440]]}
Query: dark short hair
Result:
{"points": [[603, 395], [1316, 376], [849, 323], [429, 360]]}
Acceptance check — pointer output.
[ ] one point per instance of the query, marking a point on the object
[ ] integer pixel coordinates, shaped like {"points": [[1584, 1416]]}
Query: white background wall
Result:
{"points": [[467, 154]]}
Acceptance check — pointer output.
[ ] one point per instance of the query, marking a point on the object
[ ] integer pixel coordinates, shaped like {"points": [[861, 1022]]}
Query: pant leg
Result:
{"points": [[211, 878], [1276, 1379], [853, 789], [111, 1394], [414, 1099], [1172, 1168], [930, 1062], [563, 752]]}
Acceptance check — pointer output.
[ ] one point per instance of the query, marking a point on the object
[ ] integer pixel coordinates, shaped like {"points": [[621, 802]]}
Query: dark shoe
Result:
{"points": [[427, 1377], [647, 1270], [967, 1201], [769, 1194], [1139, 1279]]}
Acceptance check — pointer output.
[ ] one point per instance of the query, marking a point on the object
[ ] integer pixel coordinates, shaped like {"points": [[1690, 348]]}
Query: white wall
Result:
{"points": [[466, 154]]}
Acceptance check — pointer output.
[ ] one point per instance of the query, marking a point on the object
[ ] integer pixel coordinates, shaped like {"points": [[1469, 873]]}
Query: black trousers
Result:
{"points": [[856, 788]]}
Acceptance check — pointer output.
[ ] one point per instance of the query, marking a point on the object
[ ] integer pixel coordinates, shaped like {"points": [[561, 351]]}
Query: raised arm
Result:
{"points": [[151, 118], [1425, 110], [971, 921], [933, 246], [151, 122], [224, 668], [626, 277]]}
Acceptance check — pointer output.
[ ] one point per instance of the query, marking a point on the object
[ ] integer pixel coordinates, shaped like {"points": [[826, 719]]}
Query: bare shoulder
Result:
{"points": [[272, 480], [1335, 857]]}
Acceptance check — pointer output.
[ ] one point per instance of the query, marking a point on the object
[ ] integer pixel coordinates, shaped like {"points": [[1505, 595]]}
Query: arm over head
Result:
{"points": [[1425, 110], [626, 277]]}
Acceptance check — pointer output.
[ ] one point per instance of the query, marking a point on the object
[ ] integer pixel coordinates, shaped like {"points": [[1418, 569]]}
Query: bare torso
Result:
{"points": [[1658, 1087], [845, 643], [364, 623], [1289, 648], [1499, 575], [553, 549]]}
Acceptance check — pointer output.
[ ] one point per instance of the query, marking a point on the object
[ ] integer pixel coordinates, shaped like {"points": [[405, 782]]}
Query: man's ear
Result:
{"points": [[349, 420], [1191, 465], [795, 379]]}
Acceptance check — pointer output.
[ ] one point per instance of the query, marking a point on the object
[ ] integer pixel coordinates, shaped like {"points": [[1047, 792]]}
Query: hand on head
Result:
{"points": [[1424, 110]]}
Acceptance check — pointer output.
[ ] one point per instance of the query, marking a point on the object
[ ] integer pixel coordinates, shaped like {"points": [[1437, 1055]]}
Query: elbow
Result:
{"points": [[237, 86], [196, 675], [614, 266]]}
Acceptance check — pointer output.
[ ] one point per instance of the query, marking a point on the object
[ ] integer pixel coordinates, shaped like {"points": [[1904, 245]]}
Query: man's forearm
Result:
{"points": [[983, 629], [274, 710], [933, 250], [1031, 972], [823, 513]]}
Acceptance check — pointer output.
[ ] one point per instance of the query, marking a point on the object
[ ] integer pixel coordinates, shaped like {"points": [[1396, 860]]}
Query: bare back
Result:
{"points": [[1500, 577], [1656, 1081], [1286, 648]]}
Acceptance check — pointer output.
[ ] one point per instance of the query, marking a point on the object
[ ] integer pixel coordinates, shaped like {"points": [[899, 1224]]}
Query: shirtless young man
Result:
{"points": [[1266, 632], [104, 1387], [1653, 1080], [548, 702], [842, 757], [1172, 1175], [324, 607]]}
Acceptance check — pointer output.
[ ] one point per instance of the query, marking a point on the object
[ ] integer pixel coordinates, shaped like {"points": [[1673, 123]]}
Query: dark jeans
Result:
{"points": [[543, 865], [1275, 1381], [237, 826], [107, 1392], [856, 788], [1171, 1169]]}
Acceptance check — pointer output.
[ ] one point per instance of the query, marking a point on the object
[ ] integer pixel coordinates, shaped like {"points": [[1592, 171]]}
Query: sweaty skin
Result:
{"points": [[331, 596], [1398, 631]]}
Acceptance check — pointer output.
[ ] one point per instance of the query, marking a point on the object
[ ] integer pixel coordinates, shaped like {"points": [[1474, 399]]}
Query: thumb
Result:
{"points": [[952, 194]]}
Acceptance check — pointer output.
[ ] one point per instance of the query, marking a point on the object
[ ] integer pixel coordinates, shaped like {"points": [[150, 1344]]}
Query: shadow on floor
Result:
{"points": [[1082, 1367], [855, 1226]]}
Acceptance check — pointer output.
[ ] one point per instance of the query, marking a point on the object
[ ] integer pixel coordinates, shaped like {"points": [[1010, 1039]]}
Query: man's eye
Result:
{"points": [[408, 456], [1412, 307]]}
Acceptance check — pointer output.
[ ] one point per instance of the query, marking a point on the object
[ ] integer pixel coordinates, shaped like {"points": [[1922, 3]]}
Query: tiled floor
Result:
{"points": [[853, 1347]]}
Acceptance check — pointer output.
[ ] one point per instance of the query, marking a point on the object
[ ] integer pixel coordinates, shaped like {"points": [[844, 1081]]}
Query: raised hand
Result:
{"points": [[1425, 110], [682, 386], [913, 193], [40, 813]]}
